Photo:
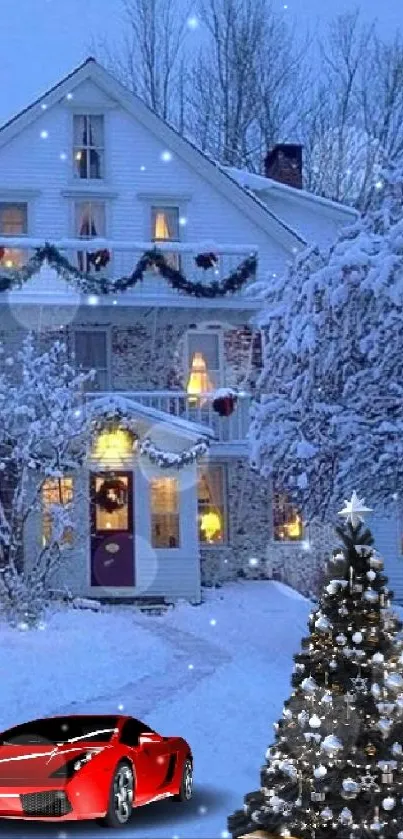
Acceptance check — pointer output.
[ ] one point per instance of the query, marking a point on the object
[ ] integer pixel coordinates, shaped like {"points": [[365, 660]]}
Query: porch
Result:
{"points": [[232, 429]]}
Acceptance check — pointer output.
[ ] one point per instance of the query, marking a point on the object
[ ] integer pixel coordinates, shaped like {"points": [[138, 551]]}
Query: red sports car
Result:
{"points": [[89, 767]]}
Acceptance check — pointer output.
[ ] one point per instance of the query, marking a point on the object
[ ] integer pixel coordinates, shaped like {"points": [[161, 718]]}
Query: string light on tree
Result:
{"points": [[335, 770]]}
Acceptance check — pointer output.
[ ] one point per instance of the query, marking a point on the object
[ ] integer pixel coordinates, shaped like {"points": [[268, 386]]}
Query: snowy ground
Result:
{"points": [[215, 674]]}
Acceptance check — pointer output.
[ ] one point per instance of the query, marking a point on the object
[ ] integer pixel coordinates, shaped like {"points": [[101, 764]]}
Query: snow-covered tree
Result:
{"points": [[329, 403], [43, 433], [335, 770]]}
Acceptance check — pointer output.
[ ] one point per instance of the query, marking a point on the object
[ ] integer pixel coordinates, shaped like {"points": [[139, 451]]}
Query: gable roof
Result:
{"points": [[247, 202], [261, 184]]}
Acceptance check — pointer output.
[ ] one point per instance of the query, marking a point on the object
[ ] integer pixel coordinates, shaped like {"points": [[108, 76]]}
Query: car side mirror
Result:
{"points": [[148, 737]]}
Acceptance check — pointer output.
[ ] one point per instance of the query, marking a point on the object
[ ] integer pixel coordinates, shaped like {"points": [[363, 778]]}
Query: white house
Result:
{"points": [[91, 170]]}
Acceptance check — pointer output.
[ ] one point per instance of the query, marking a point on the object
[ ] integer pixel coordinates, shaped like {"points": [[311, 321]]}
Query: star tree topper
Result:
{"points": [[354, 509]]}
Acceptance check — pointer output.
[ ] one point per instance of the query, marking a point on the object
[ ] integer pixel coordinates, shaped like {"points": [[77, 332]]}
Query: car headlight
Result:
{"points": [[68, 769]]}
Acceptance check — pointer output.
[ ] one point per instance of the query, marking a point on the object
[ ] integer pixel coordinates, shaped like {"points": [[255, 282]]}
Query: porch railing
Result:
{"points": [[232, 429], [123, 259]]}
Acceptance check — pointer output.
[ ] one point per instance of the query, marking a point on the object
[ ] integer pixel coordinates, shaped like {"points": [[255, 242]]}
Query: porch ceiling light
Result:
{"points": [[114, 444]]}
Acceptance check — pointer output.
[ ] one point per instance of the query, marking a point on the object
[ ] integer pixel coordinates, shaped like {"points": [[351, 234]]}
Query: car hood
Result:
{"points": [[34, 763]]}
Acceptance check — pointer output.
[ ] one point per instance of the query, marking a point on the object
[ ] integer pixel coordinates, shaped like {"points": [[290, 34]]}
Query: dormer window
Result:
{"points": [[13, 222], [165, 228], [89, 148]]}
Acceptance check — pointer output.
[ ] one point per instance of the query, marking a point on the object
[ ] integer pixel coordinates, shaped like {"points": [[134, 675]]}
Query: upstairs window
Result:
{"points": [[89, 150], [287, 520], [13, 222], [165, 228], [89, 222], [203, 363], [91, 353]]}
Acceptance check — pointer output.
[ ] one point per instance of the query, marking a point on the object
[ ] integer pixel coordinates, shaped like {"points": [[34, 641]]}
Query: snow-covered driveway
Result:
{"points": [[218, 677]]}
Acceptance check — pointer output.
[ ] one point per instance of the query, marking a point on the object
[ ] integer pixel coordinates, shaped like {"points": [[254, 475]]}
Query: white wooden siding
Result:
{"points": [[385, 530]]}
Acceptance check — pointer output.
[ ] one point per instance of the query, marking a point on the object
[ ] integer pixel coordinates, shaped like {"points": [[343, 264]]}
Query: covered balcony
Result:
{"points": [[204, 263], [232, 429]]}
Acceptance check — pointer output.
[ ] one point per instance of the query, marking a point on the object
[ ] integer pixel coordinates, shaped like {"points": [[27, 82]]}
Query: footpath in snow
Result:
{"points": [[216, 674]]}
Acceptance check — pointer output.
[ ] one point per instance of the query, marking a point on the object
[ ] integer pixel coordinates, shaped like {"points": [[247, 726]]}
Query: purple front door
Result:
{"points": [[112, 537]]}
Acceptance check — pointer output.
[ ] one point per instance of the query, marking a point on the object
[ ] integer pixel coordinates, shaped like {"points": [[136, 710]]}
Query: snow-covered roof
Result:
{"points": [[261, 184], [112, 402], [205, 166]]}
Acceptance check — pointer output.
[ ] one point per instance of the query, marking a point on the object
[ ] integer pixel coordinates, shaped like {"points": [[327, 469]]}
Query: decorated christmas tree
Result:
{"points": [[336, 766]]}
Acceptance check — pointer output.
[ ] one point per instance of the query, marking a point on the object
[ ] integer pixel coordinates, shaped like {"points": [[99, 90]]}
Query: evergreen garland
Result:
{"points": [[86, 283]]}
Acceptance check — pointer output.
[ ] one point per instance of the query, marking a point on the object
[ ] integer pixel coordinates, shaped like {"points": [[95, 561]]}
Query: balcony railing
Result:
{"points": [[124, 256], [232, 429]]}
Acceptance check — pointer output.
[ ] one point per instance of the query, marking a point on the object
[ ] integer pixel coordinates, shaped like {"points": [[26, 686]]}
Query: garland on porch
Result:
{"points": [[166, 460], [86, 283], [114, 416]]}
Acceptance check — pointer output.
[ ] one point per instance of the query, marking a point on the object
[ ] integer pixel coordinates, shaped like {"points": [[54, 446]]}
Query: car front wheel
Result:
{"points": [[186, 787], [120, 797]]}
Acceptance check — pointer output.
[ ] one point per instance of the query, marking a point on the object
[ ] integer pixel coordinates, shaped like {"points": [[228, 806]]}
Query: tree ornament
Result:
{"points": [[326, 814], [323, 624], [371, 576], [350, 788], [360, 684], [318, 795], [376, 563], [378, 658], [331, 744], [315, 721], [341, 639], [320, 771], [357, 637], [394, 681], [309, 685], [397, 749], [346, 816], [370, 750], [388, 803], [370, 595]]}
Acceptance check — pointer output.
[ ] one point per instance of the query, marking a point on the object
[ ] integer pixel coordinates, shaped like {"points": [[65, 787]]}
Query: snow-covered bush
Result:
{"points": [[43, 435], [329, 403]]}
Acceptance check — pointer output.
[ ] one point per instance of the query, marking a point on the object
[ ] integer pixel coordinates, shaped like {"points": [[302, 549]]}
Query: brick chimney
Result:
{"points": [[284, 164]]}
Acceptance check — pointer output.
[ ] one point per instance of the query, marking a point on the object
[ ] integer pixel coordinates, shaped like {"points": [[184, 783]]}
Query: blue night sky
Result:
{"points": [[43, 40]]}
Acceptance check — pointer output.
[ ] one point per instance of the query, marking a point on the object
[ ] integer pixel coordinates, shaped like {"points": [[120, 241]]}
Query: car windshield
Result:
{"points": [[61, 730]]}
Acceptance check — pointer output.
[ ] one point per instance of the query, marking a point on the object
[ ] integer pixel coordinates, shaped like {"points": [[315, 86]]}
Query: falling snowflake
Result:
{"points": [[121, 707], [213, 622], [193, 22], [190, 666], [202, 810]]}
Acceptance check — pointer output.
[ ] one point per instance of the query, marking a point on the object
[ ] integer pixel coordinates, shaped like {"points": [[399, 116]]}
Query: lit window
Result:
{"points": [[91, 353], [164, 493], [89, 222], [165, 228], [88, 151], [13, 222], [211, 505], [55, 491], [203, 361], [287, 520]]}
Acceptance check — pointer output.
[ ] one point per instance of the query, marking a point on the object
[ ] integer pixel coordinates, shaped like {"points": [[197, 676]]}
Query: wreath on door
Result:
{"points": [[112, 495]]}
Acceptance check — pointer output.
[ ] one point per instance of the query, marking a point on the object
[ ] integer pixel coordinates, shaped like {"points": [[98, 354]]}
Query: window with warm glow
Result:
{"points": [[13, 222], [287, 520], [89, 222], [203, 360], [88, 151], [91, 353], [211, 508], [164, 499], [165, 228], [55, 491]]}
